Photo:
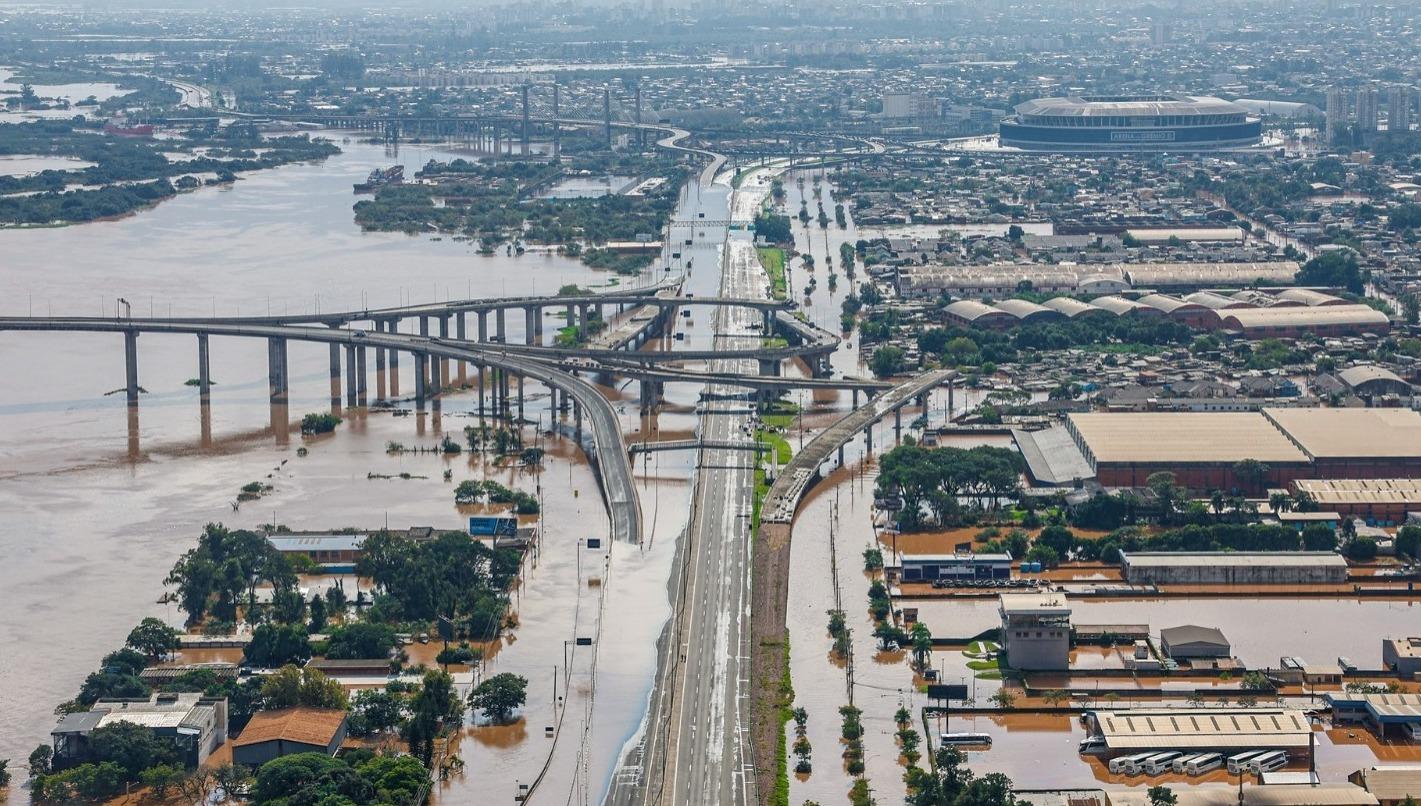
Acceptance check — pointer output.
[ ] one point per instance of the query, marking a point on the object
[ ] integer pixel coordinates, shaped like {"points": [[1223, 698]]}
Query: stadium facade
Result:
{"points": [[1130, 123]]}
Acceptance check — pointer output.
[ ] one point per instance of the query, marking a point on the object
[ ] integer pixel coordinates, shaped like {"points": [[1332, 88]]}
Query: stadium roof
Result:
{"points": [[1129, 105], [1182, 437], [1339, 433], [1204, 728]]}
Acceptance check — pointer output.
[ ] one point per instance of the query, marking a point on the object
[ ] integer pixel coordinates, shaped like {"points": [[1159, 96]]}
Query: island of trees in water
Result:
{"points": [[130, 173], [504, 203]]}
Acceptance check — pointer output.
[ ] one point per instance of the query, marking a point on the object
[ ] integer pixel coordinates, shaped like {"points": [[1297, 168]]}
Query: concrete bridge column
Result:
{"points": [[537, 324], [361, 393], [841, 454], [553, 404], [379, 367], [436, 384], [521, 380], [646, 396], [582, 319], [204, 371], [276, 369], [500, 330], [951, 407], [529, 325], [898, 425], [481, 392], [392, 326], [571, 317], [420, 377], [767, 323], [461, 327], [769, 367], [443, 362], [335, 375], [504, 388], [483, 328], [130, 365], [856, 398], [576, 420], [351, 374], [868, 438]]}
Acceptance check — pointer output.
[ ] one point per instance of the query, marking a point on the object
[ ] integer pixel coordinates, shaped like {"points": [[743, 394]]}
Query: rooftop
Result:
{"points": [[1212, 728], [316, 726], [1221, 794], [1192, 634], [1168, 559], [1330, 492], [1137, 105], [1332, 433], [1036, 604], [1183, 437], [330, 542]]}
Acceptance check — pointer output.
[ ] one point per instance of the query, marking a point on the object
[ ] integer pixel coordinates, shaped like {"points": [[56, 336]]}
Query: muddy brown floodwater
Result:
{"points": [[98, 505]]}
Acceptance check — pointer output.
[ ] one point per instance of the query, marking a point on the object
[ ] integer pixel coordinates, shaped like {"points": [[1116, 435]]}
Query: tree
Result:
{"points": [[361, 640], [134, 748], [1003, 699], [499, 696], [291, 687], [232, 779], [1319, 537], [1337, 269], [1161, 795], [4, 772], [39, 761], [922, 639], [887, 360], [317, 610], [153, 638], [274, 645], [288, 775], [1251, 473], [1408, 541], [160, 778], [372, 711], [1057, 538], [435, 709], [1362, 549]]}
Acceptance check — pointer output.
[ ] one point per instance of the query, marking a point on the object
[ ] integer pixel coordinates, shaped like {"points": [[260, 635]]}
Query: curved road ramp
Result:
{"points": [[770, 586]]}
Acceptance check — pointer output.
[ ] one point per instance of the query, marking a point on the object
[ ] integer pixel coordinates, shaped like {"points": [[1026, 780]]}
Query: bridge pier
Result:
{"points": [[769, 367], [130, 365], [379, 368], [483, 328], [898, 425], [868, 437], [335, 375], [276, 370], [351, 374], [392, 326], [500, 331], [481, 393], [841, 454], [461, 326], [951, 408], [444, 362], [436, 384], [537, 324], [576, 420], [521, 379], [767, 323], [204, 371], [361, 395], [420, 374], [529, 325]]}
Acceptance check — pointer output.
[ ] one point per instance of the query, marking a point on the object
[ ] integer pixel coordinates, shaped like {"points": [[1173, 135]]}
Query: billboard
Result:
{"points": [[493, 526]]}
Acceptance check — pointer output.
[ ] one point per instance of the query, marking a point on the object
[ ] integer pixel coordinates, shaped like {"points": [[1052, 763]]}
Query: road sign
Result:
{"points": [[947, 691], [594, 542]]}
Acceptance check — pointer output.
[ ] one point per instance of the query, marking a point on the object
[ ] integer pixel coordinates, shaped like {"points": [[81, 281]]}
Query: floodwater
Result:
{"points": [[1323, 628], [581, 187], [73, 93], [99, 503], [31, 164]]}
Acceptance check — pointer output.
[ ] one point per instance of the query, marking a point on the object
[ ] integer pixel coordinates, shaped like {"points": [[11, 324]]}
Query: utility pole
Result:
{"points": [[607, 113]]}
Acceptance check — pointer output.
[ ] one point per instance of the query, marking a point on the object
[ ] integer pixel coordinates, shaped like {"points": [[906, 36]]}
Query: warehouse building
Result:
{"points": [[1380, 502], [1291, 322], [971, 313], [1233, 568], [1202, 729], [956, 567], [1203, 449], [284, 732], [1369, 380], [1392, 784], [1386, 714], [1189, 313], [1192, 641], [1209, 275]]}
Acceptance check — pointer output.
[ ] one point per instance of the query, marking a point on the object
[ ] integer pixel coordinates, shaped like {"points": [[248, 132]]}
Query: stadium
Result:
{"points": [[1130, 123]]}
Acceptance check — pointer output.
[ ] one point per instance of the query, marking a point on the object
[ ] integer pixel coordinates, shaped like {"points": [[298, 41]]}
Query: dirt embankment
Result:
{"points": [[769, 650]]}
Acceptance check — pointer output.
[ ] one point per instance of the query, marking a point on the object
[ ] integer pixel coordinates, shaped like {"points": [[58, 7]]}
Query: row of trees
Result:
{"points": [[453, 580], [931, 482]]}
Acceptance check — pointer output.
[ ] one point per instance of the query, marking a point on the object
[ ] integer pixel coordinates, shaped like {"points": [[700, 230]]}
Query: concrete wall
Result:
{"points": [[1217, 574]]}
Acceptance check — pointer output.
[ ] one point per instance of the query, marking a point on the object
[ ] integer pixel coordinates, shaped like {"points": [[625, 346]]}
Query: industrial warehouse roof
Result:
{"points": [[1338, 433], [1121, 306], [1157, 274], [1330, 492], [972, 310], [1192, 634], [1037, 604], [1365, 373], [1309, 297], [1391, 782], [331, 542], [1072, 307], [1026, 310], [1209, 299], [1273, 559], [1183, 437], [1305, 317], [1129, 105], [1205, 728], [1170, 304], [1405, 706]]}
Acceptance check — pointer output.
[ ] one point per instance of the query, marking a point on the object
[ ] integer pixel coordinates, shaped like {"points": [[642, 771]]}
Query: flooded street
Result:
{"points": [[100, 505]]}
